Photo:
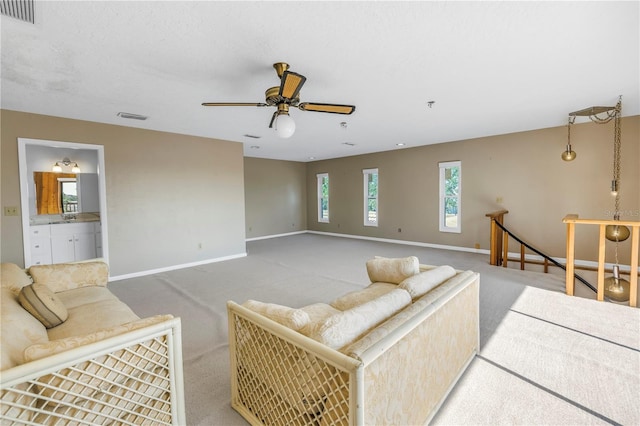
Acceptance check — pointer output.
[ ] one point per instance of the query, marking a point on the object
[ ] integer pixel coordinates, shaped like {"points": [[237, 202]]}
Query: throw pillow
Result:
{"points": [[421, 284], [14, 277], [390, 270], [293, 318], [43, 304]]}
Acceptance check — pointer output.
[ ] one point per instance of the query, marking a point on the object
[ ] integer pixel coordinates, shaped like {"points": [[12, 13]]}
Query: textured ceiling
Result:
{"points": [[489, 67]]}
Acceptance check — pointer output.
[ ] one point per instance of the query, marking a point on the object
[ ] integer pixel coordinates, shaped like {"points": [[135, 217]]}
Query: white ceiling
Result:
{"points": [[490, 67]]}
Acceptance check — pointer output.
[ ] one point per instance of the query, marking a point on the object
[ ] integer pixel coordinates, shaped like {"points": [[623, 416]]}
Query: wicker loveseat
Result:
{"points": [[372, 357], [73, 353]]}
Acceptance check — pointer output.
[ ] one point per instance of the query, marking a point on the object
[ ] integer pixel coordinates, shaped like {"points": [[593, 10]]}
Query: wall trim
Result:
{"points": [[266, 237], [174, 267], [562, 260], [404, 242]]}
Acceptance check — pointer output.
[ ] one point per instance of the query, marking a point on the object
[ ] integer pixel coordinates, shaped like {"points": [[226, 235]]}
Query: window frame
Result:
{"points": [[319, 181], [366, 173], [442, 223]]}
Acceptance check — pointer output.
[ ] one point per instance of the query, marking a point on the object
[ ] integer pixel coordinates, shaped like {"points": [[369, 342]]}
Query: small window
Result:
{"points": [[68, 195], [323, 197], [370, 197], [450, 196]]}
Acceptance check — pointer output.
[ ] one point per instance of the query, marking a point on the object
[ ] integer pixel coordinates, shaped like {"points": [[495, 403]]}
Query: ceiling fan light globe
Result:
{"points": [[285, 126]]}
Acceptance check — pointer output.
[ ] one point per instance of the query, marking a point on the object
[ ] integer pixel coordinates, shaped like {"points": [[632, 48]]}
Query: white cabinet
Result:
{"points": [[65, 242], [40, 245], [98, 231], [72, 241]]}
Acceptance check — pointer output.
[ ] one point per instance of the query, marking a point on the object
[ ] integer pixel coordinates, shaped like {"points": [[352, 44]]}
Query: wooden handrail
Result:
{"points": [[571, 221]]}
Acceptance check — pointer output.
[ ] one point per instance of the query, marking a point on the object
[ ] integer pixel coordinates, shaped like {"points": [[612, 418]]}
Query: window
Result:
{"points": [[370, 197], [450, 196], [323, 197], [68, 195]]}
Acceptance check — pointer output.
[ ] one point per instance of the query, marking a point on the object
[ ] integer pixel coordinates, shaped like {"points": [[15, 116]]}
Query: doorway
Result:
{"points": [[81, 195]]}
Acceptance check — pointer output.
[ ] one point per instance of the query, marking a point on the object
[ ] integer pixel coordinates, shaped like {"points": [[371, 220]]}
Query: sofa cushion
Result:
{"points": [[420, 284], [18, 330], [13, 277], [106, 312], [293, 318], [318, 313], [81, 296], [358, 297], [358, 347], [392, 270], [67, 276], [43, 304], [346, 326], [52, 347]]}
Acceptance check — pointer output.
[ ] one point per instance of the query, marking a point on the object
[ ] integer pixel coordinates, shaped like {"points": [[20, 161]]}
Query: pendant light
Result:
{"points": [[569, 154]]}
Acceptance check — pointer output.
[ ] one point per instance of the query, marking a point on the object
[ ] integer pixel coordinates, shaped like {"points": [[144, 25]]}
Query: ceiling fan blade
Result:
{"points": [[257, 104], [290, 84], [273, 118], [331, 108]]}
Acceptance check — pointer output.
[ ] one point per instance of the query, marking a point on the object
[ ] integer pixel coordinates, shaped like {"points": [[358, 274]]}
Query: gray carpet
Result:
{"points": [[546, 358]]}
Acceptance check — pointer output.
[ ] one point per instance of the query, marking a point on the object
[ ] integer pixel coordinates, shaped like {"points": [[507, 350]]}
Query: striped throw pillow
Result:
{"points": [[43, 304]]}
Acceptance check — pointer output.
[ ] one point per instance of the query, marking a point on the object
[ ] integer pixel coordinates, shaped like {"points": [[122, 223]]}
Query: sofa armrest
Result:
{"points": [[67, 276], [130, 377], [279, 376]]}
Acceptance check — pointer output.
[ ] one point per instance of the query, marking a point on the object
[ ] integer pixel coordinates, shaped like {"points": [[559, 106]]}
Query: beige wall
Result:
{"points": [[524, 169], [275, 197], [167, 194]]}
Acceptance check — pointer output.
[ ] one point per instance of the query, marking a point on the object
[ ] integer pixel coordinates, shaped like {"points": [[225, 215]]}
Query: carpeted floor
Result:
{"points": [[545, 359]]}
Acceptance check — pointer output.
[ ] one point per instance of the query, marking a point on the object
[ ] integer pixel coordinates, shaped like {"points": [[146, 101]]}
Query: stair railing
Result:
{"points": [[571, 221], [499, 251]]}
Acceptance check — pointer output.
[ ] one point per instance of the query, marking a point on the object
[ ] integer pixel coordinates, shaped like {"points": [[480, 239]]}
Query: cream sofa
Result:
{"points": [[385, 355], [73, 353]]}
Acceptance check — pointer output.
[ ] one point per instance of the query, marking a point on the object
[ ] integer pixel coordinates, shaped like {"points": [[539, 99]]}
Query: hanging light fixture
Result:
{"points": [[615, 288], [57, 167], [569, 154], [284, 124]]}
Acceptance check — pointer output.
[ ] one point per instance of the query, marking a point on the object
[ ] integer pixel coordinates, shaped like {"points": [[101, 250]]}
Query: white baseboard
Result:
{"points": [[174, 267], [561, 260], [404, 242], [266, 237]]}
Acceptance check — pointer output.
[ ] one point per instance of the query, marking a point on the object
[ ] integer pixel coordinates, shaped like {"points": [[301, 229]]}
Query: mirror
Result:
{"points": [[66, 193], [59, 199], [54, 195]]}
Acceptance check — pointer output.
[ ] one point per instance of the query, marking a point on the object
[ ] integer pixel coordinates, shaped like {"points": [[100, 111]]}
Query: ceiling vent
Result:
{"points": [[19, 9], [131, 116]]}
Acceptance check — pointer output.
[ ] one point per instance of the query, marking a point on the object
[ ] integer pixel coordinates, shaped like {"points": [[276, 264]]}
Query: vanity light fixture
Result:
{"points": [[57, 167]]}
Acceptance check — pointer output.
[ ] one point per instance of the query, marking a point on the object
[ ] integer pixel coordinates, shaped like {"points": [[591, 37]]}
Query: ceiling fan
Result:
{"points": [[285, 96]]}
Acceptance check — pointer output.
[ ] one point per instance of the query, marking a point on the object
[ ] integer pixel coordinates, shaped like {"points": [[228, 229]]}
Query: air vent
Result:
{"points": [[19, 9], [132, 116], [252, 136]]}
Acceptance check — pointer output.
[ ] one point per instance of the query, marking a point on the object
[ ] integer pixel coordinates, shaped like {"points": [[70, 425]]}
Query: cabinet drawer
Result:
{"points": [[40, 246], [41, 260], [40, 231], [72, 228]]}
